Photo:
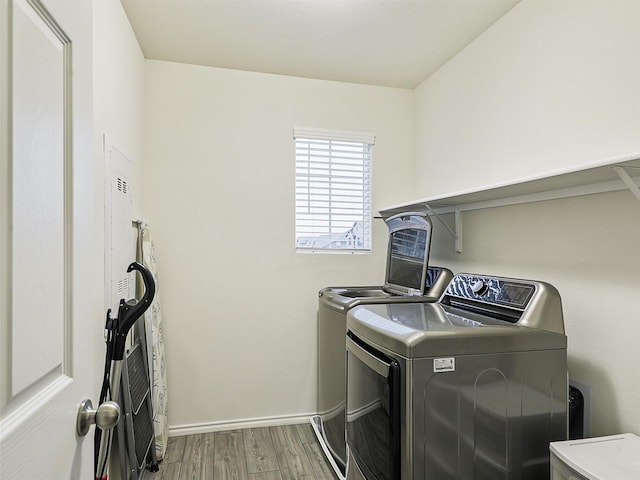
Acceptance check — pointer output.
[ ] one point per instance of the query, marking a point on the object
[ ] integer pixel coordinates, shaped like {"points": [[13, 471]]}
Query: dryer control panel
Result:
{"points": [[526, 302], [491, 290]]}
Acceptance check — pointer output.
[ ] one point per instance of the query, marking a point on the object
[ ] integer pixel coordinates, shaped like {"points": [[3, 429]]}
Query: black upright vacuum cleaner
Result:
{"points": [[116, 331]]}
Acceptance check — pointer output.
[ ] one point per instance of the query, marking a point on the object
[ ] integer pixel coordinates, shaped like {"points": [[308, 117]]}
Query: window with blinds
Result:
{"points": [[333, 190]]}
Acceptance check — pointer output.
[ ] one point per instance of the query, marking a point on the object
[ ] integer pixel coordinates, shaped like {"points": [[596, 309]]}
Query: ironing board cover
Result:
{"points": [[153, 324]]}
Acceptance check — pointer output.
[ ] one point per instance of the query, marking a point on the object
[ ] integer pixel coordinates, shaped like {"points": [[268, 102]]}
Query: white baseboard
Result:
{"points": [[180, 430]]}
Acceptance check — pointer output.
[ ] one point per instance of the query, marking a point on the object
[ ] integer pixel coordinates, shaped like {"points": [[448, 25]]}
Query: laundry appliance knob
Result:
{"points": [[479, 287]]}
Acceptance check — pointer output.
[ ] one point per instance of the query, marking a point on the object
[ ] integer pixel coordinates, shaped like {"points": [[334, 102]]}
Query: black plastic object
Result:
{"points": [[129, 312], [576, 413]]}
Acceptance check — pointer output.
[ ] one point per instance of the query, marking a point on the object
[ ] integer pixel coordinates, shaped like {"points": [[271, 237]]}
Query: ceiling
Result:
{"points": [[396, 43]]}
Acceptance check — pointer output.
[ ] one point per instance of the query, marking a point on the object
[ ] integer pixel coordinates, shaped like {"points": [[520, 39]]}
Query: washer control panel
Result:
{"points": [[497, 291]]}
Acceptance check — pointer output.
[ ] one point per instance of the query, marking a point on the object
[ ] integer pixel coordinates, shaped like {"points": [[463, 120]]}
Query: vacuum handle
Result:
{"points": [[134, 311], [129, 312]]}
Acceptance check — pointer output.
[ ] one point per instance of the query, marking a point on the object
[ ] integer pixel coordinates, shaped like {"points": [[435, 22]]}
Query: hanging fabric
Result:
{"points": [[155, 345]]}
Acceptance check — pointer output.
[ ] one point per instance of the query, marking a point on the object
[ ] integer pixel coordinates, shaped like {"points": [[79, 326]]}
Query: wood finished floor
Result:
{"points": [[289, 452]]}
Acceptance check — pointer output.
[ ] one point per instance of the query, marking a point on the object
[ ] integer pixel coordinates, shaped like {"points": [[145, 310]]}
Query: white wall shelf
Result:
{"points": [[615, 174]]}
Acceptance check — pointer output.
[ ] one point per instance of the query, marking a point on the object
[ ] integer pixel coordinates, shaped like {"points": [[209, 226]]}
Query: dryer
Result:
{"points": [[473, 387]]}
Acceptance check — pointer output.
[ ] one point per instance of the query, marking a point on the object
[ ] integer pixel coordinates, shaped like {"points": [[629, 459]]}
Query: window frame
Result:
{"points": [[349, 168]]}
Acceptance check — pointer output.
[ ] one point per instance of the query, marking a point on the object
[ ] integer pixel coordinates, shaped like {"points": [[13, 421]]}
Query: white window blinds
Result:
{"points": [[333, 190]]}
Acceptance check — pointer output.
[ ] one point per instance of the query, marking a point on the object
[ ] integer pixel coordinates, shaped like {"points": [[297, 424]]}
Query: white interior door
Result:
{"points": [[50, 280]]}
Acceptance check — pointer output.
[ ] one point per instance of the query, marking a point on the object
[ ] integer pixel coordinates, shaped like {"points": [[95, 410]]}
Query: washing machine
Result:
{"points": [[408, 278], [473, 387]]}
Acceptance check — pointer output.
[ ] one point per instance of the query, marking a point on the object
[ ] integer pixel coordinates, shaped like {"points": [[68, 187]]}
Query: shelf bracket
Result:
{"points": [[628, 181], [456, 233]]}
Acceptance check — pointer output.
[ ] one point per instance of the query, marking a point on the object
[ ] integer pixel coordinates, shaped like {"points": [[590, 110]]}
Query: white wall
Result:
{"points": [[119, 85], [239, 304], [552, 86], [118, 112]]}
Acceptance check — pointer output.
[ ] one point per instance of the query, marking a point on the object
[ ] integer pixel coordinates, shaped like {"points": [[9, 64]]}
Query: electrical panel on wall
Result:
{"points": [[119, 234]]}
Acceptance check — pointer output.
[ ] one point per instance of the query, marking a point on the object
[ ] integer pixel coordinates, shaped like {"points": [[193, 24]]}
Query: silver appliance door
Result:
{"points": [[373, 410], [332, 329]]}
